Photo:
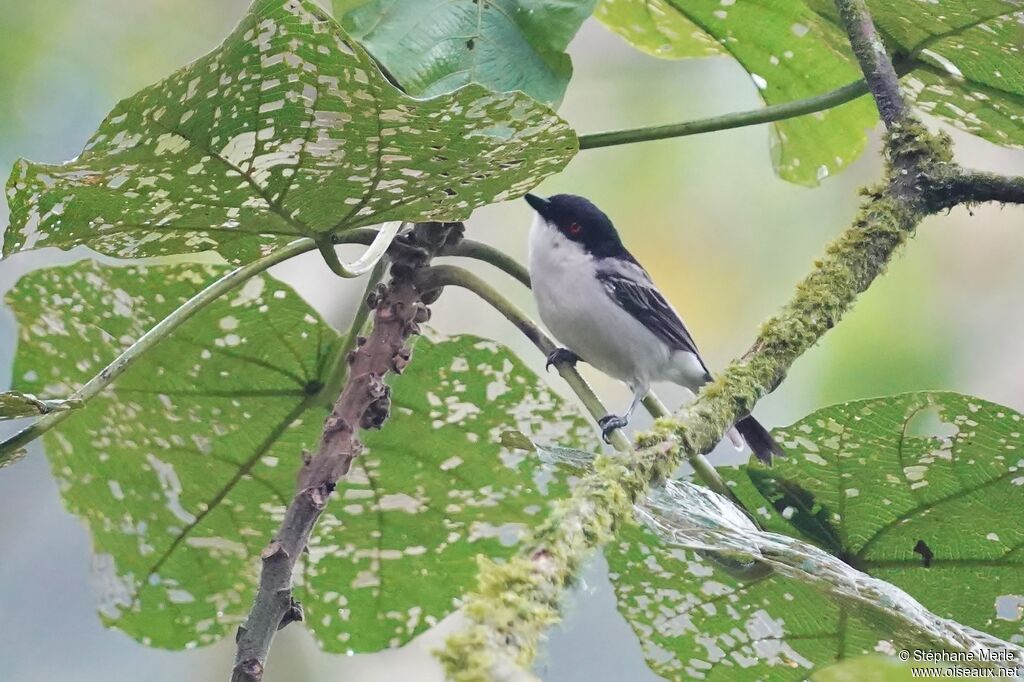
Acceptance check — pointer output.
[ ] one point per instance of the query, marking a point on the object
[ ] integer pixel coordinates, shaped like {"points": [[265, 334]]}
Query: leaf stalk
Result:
{"points": [[362, 265]]}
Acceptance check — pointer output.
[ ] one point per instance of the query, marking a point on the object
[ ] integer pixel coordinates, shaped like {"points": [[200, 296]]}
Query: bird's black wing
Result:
{"points": [[631, 287]]}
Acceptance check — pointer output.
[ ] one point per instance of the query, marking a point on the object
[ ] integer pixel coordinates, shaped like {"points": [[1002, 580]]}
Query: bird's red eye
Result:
{"points": [[575, 229]]}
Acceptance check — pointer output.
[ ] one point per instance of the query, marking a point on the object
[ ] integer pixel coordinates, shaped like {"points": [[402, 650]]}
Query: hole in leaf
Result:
{"points": [[928, 423], [1010, 607]]}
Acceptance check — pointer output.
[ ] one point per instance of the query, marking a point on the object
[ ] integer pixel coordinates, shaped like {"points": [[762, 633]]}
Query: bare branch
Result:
{"points": [[468, 248], [738, 119], [874, 61], [364, 403]]}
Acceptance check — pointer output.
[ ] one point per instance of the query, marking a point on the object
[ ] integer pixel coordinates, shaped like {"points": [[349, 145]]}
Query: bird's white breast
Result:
{"points": [[577, 309]]}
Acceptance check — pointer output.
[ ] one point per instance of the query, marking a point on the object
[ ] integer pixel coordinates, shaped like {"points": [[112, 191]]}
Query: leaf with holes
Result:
{"points": [[657, 28], [962, 58], [959, 61], [182, 468], [287, 129], [696, 621], [435, 46], [790, 52], [435, 489], [923, 490]]}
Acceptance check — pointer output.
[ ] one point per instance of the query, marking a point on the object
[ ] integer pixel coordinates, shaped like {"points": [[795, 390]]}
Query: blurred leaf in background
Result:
{"points": [[432, 47], [63, 64], [789, 51]]}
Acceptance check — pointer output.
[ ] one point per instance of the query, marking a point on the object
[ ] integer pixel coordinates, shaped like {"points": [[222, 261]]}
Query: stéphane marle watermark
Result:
{"points": [[976, 664]]}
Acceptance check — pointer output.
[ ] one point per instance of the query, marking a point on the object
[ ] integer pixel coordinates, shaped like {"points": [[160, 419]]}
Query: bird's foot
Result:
{"points": [[562, 355], [609, 423]]}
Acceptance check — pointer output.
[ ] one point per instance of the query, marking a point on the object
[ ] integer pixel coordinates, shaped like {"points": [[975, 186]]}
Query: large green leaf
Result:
{"points": [[179, 467], [923, 490], [435, 489], [657, 28], [696, 621], [934, 478], [961, 59], [286, 129], [790, 52], [435, 46], [183, 467]]}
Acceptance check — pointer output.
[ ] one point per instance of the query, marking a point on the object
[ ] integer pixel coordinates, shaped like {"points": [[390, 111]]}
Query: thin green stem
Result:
{"points": [[467, 248], [11, 448], [740, 119], [362, 265], [450, 275]]}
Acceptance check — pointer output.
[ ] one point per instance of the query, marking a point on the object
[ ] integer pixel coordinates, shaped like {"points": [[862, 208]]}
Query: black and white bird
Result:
{"points": [[601, 304]]}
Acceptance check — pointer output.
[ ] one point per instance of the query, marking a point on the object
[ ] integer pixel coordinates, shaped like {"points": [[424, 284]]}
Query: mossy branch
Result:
{"points": [[963, 186], [515, 602]]}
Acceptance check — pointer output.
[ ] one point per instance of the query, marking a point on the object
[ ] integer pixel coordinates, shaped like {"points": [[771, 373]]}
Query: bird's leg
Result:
{"points": [[610, 422], [562, 355]]}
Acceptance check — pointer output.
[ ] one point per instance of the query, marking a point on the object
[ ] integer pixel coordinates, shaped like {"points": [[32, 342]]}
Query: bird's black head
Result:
{"points": [[580, 221]]}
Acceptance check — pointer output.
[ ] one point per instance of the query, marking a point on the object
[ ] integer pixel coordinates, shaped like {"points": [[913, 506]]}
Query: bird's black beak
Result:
{"points": [[539, 204]]}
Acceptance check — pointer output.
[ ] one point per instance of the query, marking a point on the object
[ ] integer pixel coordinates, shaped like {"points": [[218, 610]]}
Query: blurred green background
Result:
{"points": [[723, 237]]}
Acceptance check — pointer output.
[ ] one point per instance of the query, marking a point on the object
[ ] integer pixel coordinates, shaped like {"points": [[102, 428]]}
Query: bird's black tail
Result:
{"points": [[759, 440]]}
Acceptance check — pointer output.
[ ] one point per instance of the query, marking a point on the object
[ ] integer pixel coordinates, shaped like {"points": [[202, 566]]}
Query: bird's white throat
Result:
{"points": [[551, 251]]}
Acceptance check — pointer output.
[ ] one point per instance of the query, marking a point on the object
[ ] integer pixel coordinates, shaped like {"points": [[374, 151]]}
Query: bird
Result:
{"points": [[601, 304]]}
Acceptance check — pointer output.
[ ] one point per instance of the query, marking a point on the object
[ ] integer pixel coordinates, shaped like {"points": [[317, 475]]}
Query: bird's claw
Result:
{"points": [[559, 356], [609, 423]]}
